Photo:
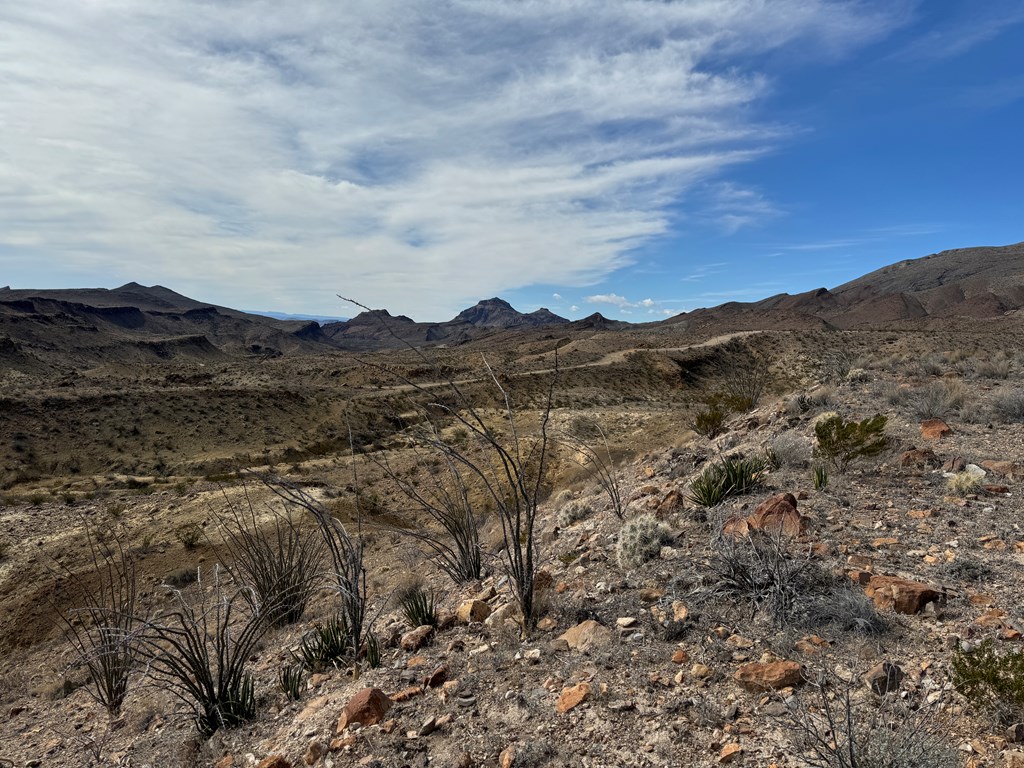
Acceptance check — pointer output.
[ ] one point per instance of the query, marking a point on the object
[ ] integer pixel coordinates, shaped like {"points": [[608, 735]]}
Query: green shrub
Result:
{"points": [[640, 540], [418, 604], [708, 422], [729, 477], [992, 681], [190, 535], [840, 442]]}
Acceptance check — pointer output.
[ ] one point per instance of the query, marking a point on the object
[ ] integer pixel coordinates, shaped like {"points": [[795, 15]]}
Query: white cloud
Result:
{"points": [[556, 296], [648, 303], [610, 298], [574, 308], [411, 154]]}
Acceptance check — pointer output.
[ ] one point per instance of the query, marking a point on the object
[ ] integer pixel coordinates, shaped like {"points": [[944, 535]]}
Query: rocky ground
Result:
{"points": [[888, 570]]}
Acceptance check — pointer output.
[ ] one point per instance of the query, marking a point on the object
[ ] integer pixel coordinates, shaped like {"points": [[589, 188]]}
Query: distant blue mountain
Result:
{"points": [[322, 319]]}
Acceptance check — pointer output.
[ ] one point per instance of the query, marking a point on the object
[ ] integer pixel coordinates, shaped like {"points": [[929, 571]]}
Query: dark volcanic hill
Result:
{"points": [[137, 324], [975, 283], [379, 329]]}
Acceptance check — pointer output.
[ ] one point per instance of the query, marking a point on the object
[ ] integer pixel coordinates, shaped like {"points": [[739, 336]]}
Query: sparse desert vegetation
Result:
{"points": [[675, 547]]}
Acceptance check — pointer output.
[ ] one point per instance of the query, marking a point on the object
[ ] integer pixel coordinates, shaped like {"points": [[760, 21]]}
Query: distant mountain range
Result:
{"points": [[974, 283], [139, 324]]}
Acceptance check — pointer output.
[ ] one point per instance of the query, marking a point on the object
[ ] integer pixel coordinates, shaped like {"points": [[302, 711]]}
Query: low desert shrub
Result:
{"points": [[841, 608], [182, 577], [841, 442], [640, 540], [709, 421], [1008, 407], [997, 368], [790, 450], [836, 729], [963, 483], [731, 476], [992, 680], [190, 535], [937, 399]]}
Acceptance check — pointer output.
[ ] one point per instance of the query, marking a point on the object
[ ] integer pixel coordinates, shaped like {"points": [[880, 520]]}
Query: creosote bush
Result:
{"points": [[841, 442], [190, 535], [992, 680], [640, 540]]}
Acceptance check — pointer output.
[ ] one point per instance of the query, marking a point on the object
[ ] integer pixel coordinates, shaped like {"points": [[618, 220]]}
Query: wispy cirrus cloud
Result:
{"points": [[411, 154]]}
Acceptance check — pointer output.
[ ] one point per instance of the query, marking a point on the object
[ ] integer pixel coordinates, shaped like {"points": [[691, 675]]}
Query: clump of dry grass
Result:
{"points": [[963, 483]]}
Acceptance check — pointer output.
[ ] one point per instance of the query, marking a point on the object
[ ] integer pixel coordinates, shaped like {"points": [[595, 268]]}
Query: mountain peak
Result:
{"points": [[498, 313]]}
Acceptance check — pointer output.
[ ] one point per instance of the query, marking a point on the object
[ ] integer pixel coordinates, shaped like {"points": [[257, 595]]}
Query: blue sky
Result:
{"points": [[633, 157]]}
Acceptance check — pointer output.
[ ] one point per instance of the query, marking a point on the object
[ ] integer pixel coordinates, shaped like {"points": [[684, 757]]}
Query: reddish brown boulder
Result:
{"points": [[759, 676], [367, 707], [921, 458], [935, 429], [778, 514], [900, 595], [274, 761]]}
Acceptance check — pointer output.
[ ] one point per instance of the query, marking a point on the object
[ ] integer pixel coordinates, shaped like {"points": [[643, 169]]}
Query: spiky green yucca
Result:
{"points": [[729, 477]]}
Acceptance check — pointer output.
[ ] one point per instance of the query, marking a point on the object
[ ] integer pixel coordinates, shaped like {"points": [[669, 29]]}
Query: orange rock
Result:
{"points": [[729, 753], [570, 698], [921, 514], [935, 429], [225, 762], [471, 611], [900, 595], [680, 657], [759, 676], [884, 542], [274, 761], [367, 707], [407, 693]]}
